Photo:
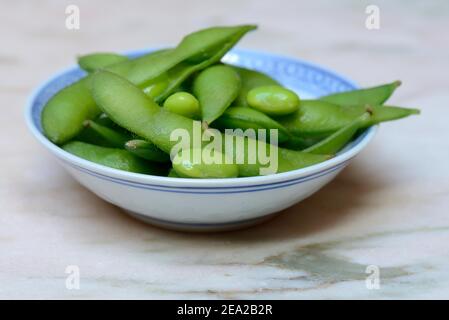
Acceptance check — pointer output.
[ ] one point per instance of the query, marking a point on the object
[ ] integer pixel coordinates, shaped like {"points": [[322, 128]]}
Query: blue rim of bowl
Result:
{"points": [[202, 186]]}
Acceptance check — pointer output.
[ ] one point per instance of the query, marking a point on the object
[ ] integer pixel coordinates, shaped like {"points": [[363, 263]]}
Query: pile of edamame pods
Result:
{"points": [[123, 112]]}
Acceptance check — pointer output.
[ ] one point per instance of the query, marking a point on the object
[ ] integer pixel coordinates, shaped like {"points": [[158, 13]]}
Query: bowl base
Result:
{"points": [[200, 227]]}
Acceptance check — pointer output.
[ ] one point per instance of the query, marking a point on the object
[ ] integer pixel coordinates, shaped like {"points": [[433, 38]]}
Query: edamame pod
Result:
{"points": [[130, 108], [183, 103], [175, 77], [146, 150], [383, 113], [316, 118], [65, 112], [296, 142], [185, 166], [286, 160], [196, 51], [248, 118], [273, 100], [251, 79], [216, 88], [292, 160], [372, 96], [110, 157], [336, 141], [133, 110], [203, 44], [115, 138], [95, 61]]}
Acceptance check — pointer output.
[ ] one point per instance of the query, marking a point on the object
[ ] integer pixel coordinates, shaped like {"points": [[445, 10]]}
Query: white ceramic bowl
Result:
{"points": [[208, 204]]}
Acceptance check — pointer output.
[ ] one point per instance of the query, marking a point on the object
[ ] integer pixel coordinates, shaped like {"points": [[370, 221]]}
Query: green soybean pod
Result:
{"points": [[185, 166], [292, 160], [115, 138], [130, 108], [146, 150], [372, 96], [296, 142], [316, 118], [64, 114], [183, 103], [216, 88], [203, 44], [273, 100], [95, 61], [247, 118], [336, 141], [111, 157], [251, 79], [195, 52], [383, 113]]}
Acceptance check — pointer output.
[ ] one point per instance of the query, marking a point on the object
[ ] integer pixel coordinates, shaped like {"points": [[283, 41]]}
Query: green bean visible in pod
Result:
{"points": [[216, 88], [251, 79], [372, 96], [111, 157], [183, 103], [185, 166], [273, 100]]}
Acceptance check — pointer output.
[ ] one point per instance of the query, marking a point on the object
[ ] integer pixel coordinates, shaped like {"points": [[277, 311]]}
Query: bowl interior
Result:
{"points": [[307, 79]]}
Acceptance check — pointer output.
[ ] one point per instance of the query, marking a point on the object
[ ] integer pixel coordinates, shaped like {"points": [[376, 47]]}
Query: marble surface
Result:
{"points": [[389, 209]]}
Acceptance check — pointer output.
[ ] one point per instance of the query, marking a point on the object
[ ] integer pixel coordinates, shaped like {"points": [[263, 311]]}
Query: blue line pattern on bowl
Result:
{"points": [[211, 190]]}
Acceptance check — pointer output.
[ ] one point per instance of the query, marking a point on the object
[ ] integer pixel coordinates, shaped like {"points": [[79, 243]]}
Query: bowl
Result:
{"points": [[207, 204]]}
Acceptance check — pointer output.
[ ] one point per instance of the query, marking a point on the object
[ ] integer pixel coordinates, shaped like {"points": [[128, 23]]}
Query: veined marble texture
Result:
{"points": [[388, 211]]}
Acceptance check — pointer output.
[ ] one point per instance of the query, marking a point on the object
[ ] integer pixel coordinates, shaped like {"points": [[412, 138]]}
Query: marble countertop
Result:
{"points": [[387, 212]]}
